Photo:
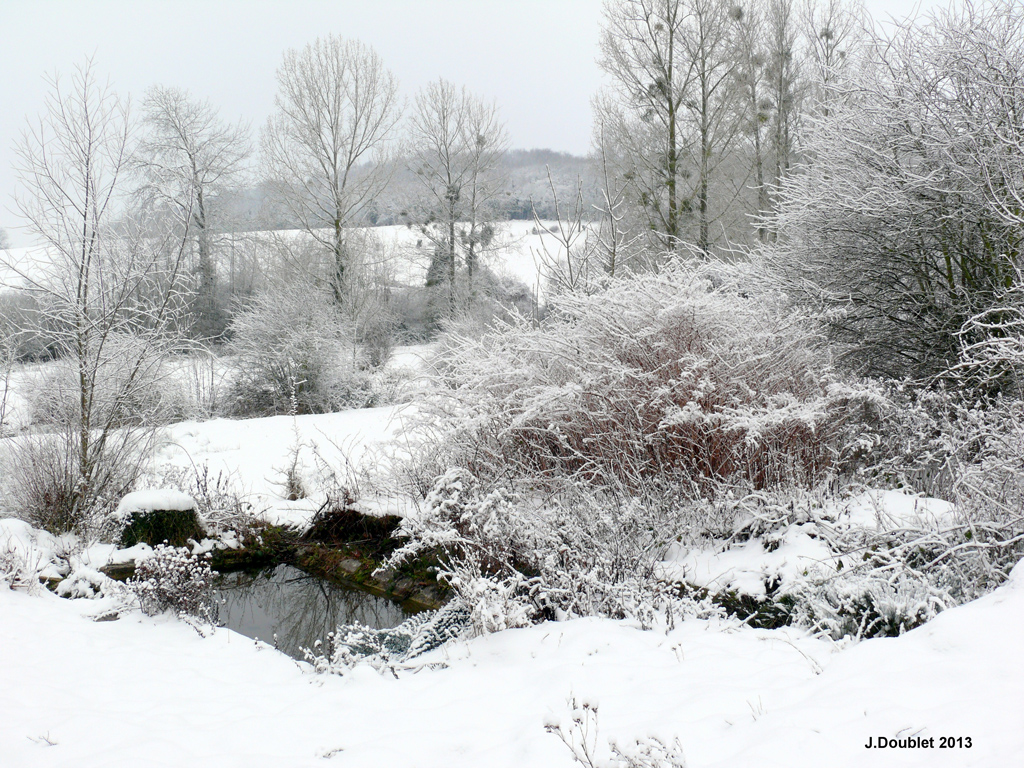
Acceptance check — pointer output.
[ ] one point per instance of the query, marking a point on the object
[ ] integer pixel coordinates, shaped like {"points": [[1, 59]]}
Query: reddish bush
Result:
{"points": [[681, 376]]}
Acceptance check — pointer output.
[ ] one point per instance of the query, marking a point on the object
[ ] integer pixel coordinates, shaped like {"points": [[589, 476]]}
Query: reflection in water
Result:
{"points": [[296, 608]]}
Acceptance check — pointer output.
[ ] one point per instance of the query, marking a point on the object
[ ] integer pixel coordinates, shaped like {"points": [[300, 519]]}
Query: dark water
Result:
{"points": [[290, 609]]}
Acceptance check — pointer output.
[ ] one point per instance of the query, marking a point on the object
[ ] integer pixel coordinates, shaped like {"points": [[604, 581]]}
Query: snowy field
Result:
{"points": [[405, 252], [151, 692], [254, 454]]}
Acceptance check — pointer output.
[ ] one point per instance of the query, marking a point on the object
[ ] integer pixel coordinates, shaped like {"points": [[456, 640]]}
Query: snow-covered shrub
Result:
{"points": [[992, 345], [908, 221], [688, 374], [912, 445], [29, 331], [15, 572], [495, 604], [874, 576], [220, 504], [512, 558], [376, 334], [988, 489], [482, 543], [173, 578], [44, 485], [294, 354], [87, 583], [290, 475], [989, 461], [98, 435], [391, 385], [868, 604], [581, 736], [558, 461], [40, 479], [133, 386], [336, 473], [190, 385], [972, 454], [386, 649]]}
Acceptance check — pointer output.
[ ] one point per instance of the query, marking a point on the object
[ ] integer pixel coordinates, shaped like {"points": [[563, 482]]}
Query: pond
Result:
{"points": [[291, 610]]}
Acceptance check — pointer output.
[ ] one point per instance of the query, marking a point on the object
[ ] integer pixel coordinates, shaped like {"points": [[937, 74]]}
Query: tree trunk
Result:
{"points": [[338, 278], [206, 306], [451, 263]]}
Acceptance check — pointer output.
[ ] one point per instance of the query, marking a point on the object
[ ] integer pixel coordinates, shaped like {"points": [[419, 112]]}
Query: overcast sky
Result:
{"points": [[535, 58]]}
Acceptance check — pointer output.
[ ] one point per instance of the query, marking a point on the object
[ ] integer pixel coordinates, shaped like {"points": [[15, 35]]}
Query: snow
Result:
{"points": [[38, 548], [411, 357], [77, 691], [749, 567], [155, 499], [255, 453], [151, 691], [746, 568], [511, 252], [886, 510]]}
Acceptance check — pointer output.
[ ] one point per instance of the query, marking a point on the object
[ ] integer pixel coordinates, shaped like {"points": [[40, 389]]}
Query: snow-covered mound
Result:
{"points": [[887, 510]]}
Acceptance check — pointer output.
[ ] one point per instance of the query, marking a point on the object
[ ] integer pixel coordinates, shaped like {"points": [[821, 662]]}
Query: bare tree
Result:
{"points": [[710, 47], [457, 142], [573, 264], [110, 295], [8, 358], [834, 33], [642, 117], [671, 111], [325, 148], [786, 86], [187, 157], [753, 78], [618, 236], [771, 85]]}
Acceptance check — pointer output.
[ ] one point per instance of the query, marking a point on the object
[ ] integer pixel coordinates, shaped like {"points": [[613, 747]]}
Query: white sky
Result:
{"points": [[535, 58]]}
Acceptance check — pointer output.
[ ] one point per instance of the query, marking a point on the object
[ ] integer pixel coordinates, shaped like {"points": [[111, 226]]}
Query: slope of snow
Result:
{"points": [[513, 252], [256, 453], [140, 691]]}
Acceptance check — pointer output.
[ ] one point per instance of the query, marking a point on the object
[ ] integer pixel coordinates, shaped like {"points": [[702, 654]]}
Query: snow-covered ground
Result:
{"points": [[513, 252], [254, 454], [151, 692], [749, 566]]}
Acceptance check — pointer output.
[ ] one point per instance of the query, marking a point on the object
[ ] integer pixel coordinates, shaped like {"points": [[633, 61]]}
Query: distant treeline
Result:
{"points": [[527, 189]]}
